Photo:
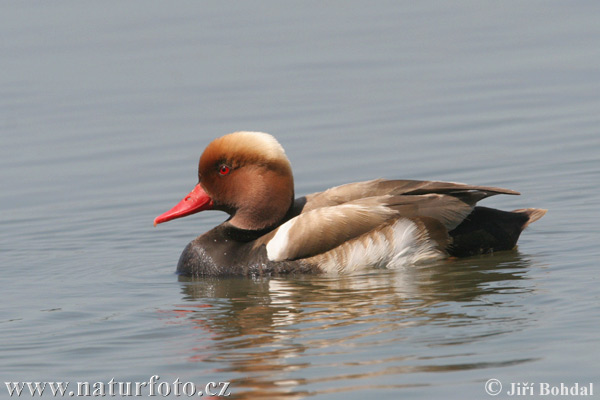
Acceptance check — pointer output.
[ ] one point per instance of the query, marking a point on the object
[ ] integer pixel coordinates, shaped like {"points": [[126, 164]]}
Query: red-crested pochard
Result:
{"points": [[386, 223]]}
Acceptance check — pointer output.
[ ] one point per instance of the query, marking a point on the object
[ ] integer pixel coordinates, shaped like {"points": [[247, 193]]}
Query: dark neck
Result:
{"points": [[243, 235]]}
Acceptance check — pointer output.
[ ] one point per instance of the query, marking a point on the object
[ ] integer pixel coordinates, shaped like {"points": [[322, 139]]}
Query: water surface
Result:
{"points": [[106, 107]]}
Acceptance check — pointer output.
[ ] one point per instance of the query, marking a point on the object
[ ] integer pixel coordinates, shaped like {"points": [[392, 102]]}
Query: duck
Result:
{"points": [[378, 223]]}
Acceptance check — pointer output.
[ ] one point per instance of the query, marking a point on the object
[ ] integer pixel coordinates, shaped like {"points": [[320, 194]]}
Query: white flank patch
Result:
{"points": [[277, 246], [375, 250], [408, 249]]}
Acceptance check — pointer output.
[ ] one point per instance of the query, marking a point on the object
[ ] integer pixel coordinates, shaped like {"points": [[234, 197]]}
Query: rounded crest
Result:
{"points": [[241, 148]]}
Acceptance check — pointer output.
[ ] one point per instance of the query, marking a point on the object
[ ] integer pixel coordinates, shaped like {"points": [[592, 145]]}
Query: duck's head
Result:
{"points": [[245, 174]]}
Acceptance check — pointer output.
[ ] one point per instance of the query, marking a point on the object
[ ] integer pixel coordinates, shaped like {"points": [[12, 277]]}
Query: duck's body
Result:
{"points": [[359, 225]]}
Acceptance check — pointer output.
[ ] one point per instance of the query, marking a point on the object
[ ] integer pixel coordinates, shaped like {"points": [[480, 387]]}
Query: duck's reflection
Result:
{"points": [[294, 336]]}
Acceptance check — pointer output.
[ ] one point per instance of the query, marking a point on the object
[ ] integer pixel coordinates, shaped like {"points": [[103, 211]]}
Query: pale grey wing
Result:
{"points": [[381, 187], [322, 229], [449, 210], [339, 214]]}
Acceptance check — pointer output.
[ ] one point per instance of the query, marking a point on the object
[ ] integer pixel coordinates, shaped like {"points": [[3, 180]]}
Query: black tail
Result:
{"points": [[486, 230]]}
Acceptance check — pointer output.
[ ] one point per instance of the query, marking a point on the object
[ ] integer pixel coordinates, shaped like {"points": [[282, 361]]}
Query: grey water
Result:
{"points": [[106, 106]]}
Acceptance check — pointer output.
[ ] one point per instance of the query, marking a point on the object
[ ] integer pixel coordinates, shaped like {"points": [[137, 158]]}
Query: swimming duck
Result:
{"points": [[376, 223]]}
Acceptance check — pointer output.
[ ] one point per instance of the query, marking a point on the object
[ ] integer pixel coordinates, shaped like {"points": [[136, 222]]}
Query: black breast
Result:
{"points": [[226, 250]]}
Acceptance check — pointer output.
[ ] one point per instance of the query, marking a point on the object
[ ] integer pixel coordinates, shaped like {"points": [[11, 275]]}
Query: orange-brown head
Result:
{"points": [[245, 174]]}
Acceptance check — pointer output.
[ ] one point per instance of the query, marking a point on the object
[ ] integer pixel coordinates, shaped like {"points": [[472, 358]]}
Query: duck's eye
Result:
{"points": [[224, 169]]}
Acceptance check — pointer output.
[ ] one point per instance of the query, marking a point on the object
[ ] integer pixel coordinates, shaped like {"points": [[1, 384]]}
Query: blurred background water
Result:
{"points": [[105, 108]]}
